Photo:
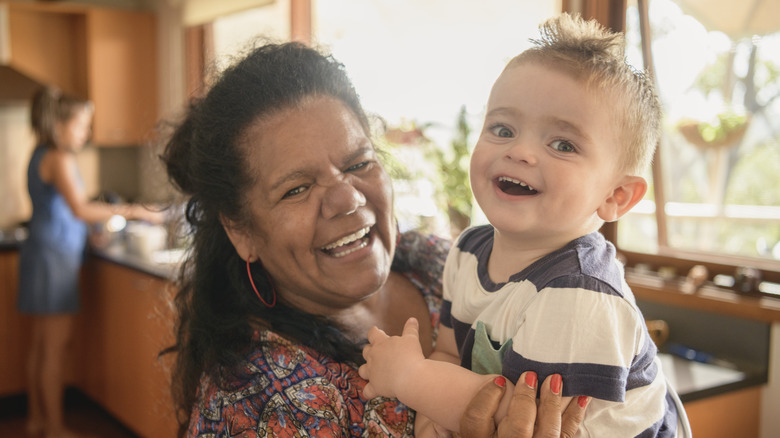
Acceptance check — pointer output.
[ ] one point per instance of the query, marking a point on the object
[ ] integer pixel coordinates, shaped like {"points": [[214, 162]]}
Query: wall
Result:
{"points": [[16, 145]]}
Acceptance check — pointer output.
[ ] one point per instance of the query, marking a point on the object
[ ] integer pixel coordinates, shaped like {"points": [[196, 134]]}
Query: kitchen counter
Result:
{"points": [[164, 264], [694, 380], [11, 238]]}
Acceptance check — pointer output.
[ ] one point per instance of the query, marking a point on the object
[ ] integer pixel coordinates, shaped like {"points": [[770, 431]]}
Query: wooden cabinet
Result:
{"points": [[733, 414], [106, 55], [14, 328], [125, 321], [122, 75]]}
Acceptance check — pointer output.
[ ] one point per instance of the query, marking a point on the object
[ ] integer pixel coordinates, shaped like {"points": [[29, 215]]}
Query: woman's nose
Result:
{"points": [[342, 198]]}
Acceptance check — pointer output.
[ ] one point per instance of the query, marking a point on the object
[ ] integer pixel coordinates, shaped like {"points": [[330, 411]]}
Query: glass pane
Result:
{"points": [[720, 155], [417, 64]]}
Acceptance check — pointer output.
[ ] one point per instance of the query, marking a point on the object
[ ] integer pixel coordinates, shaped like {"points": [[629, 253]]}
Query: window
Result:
{"points": [[415, 63], [715, 191]]}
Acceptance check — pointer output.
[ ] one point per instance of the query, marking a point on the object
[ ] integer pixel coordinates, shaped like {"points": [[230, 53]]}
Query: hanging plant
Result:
{"points": [[726, 131]]}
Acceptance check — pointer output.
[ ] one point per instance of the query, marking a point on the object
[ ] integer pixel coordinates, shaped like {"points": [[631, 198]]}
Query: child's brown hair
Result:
{"points": [[49, 106]]}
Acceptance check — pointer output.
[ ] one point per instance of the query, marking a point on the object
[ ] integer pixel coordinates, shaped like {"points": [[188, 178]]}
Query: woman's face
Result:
{"points": [[73, 133], [321, 207]]}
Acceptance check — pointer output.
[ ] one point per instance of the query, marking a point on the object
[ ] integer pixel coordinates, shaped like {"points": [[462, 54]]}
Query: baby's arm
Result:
{"points": [[396, 367]]}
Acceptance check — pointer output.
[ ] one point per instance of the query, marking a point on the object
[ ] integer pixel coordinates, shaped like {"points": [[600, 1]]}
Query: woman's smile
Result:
{"points": [[348, 244]]}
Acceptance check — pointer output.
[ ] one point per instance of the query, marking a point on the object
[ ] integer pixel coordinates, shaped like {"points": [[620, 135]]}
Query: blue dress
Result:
{"points": [[50, 259]]}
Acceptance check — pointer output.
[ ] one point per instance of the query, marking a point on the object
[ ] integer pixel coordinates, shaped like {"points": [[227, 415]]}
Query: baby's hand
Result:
{"points": [[389, 359]]}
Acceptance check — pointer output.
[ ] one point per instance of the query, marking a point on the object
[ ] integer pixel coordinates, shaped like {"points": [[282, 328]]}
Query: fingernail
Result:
{"points": [[500, 381], [555, 384], [583, 400], [530, 379]]}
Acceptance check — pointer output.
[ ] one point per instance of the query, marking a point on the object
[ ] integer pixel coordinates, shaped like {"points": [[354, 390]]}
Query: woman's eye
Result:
{"points": [[357, 166], [501, 131], [562, 146], [296, 191]]}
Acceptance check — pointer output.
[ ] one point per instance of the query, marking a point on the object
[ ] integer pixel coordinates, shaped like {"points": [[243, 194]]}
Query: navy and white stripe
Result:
{"points": [[570, 313]]}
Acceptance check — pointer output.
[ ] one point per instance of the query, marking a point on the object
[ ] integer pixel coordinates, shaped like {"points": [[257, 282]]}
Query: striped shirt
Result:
{"points": [[570, 313]]}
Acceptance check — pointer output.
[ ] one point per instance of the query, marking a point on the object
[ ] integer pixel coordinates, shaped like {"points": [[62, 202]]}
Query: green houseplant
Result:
{"points": [[453, 170]]}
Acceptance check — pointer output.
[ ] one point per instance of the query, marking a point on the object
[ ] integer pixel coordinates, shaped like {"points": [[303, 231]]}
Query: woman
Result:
{"points": [[51, 257], [296, 254]]}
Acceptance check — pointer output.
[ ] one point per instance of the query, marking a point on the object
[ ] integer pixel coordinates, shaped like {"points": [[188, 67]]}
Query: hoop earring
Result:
{"points": [[252, 281]]}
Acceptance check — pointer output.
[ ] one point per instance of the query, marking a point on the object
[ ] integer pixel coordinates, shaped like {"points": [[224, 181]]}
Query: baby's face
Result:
{"points": [[547, 156]]}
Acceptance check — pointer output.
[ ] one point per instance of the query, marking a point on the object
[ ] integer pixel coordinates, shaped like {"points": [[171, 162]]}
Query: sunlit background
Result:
{"points": [[418, 64]]}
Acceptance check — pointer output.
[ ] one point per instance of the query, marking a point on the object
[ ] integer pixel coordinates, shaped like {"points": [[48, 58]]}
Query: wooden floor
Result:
{"points": [[82, 416]]}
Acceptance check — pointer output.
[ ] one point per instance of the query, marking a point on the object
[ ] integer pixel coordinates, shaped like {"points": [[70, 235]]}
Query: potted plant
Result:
{"points": [[453, 169]]}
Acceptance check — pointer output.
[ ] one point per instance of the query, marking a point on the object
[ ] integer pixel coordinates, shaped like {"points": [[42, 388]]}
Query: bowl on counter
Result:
{"points": [[13, 235], [143, 239]]}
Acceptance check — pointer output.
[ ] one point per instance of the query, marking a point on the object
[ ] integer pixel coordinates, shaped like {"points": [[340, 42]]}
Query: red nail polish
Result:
{"points": [[583, 400], [530, 379], [555, 384], [500, 381]]}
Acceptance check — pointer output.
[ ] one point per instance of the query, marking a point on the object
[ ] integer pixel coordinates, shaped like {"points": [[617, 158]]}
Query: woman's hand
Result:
{"points": [[524, 420]]}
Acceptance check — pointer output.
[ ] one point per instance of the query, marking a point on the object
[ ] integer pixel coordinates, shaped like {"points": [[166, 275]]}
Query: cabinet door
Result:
{"points": [[125, 322], [733, 414], [48, 46], [14, 328], [122, 75], [106, 55]]}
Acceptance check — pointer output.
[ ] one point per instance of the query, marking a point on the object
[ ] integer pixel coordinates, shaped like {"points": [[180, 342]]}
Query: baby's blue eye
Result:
{"points": [[501, 131], [562, 146]]}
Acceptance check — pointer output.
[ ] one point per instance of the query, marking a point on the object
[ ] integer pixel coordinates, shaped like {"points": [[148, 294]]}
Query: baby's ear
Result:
{"points": [[624, 197], [240, 240]]}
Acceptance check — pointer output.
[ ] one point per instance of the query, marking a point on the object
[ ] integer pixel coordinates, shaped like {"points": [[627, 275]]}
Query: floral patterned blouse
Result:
{"points": [[290, 390]]}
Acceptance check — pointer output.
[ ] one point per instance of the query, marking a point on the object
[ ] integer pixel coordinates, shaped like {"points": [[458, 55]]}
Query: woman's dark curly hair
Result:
{"points": [[217, 312]]}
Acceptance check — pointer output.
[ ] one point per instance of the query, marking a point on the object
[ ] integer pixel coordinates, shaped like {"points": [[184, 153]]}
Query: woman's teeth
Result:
{"points": [[346, 240]]}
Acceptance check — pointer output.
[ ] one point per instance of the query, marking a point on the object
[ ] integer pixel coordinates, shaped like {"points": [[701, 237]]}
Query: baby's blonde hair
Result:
{"points": [[595, 55]]}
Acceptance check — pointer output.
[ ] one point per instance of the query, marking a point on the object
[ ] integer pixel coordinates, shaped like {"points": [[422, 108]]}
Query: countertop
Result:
{"points": [[11, 238], [692, 380], [696, 380], [164, 264]]}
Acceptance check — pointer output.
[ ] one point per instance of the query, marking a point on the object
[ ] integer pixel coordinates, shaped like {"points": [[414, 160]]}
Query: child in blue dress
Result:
{"points": [[51, 257]]}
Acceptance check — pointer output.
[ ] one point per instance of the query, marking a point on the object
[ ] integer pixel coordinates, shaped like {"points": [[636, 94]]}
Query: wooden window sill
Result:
{"points": [[708, 298]]}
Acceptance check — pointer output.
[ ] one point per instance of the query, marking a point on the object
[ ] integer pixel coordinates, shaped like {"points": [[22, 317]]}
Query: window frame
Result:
{"points": [[612, 13]]}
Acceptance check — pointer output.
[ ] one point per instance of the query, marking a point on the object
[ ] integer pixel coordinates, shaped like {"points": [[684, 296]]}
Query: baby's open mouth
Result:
{"points": [[514, 187], [348, 244]]}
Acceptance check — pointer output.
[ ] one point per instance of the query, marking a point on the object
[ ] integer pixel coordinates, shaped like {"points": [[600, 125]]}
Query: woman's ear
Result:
{"points": [[623, 198], [239, 238]]}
